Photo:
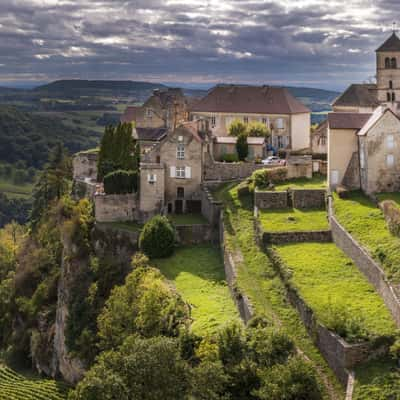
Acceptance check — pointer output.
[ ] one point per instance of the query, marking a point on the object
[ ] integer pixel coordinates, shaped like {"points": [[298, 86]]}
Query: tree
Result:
{"points": [[242, 147], [157, 238], [54, 182], [237, 127], [120, 182], [145, 305], [146, 369], [258, 129]]}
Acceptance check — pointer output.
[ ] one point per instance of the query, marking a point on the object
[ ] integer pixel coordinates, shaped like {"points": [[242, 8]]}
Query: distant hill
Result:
{"points": [[313, 93], [28, 137]]}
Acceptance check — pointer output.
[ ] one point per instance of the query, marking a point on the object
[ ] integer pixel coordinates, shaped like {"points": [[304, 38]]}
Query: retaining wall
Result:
{"points": [[339, 354], [187, 235], [270, 200], [115, 207], [309, 198], [373, 272], [210, 208], [296, 237], [224, 171]]}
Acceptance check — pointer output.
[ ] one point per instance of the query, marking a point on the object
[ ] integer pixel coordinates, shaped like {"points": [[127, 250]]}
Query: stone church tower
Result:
{"points": [[388, 70]]}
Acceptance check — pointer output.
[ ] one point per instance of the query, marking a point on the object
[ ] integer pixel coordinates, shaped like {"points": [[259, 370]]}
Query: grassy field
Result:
{"points": [[125, 226], [327, 280], [367, 225], [395, 196], [316, 182], [258, 280], [15, 191], [198, 274], [293, 220], [14, 386], [187, 219]]}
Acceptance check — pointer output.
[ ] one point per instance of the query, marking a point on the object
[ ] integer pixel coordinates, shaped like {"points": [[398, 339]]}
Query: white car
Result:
{"points": [[273, 160]]}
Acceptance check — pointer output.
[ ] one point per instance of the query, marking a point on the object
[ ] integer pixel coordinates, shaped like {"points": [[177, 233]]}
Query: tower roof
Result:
{"points": [[391, 44]]}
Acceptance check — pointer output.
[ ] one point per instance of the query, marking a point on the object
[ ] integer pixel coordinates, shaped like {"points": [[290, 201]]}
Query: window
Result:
{"points": [[389, 160], [393, 63], [393, 96], [390, 84], [281, 142], [390, 142], [264, 121], [180, 172], [180, 192], [334, 177], [149, 113], [246, 120], [213, 121], [387, 62], [180, 151], [323, 140], [279, 123], [158, 159], [151, 178], [388, 98]]}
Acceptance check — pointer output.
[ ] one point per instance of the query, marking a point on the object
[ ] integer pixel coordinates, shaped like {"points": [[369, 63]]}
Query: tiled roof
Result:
{"points": [[391, 44], [250, 99], [347, 120], [358, 95], [151, 134], [130, 114]]}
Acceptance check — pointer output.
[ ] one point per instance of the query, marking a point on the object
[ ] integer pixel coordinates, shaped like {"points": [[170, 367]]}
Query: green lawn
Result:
{"points": [[198, 274], [326, 279], [395, 196], [293, 220], [258, 279], [316, 182], [367, 225], [187, 219], [15, 191]]}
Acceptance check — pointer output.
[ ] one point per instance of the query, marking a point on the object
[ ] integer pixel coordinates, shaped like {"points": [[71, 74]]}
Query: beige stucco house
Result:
{"points": [[286, 117], [364, 129]]}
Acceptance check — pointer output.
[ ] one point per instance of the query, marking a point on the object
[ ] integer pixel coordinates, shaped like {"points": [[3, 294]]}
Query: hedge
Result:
{"points": [[391, 211], [120, 182], [230, 157], [262, 178]]}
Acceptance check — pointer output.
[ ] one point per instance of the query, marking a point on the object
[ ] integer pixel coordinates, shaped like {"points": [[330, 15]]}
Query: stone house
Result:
{"points": [[227, 145], [285, 116], [164, 109], [172, 173], [364, 129], [319, 138]]}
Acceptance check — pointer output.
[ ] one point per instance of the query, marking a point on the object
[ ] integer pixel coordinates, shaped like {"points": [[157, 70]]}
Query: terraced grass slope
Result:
{"points": [[259, 281], [329, 281], [366, 223], [293, 220], [316, 182], [198, 275], [14, 386]]}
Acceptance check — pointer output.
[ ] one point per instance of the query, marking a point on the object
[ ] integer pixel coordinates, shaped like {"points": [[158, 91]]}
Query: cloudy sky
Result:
{"points": [[319, 43]]}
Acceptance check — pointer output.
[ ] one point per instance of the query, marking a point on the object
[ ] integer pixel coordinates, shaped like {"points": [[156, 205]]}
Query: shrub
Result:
{"points": [[342, 192], [262, 178], [230, 157], [258, 129], [237, 127], [120, 182], [157, 238], [391, 212], [242, 147]]}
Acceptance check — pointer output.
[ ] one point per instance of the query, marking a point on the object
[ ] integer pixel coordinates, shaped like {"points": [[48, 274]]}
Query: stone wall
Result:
{"points": [[372, 271], [224, 171], [309, 198], [84, 165], [299, 166], [339, 354], [115, 207], [296, 237], [210, 208], [270, 200], [187, 235], [230, 260]]}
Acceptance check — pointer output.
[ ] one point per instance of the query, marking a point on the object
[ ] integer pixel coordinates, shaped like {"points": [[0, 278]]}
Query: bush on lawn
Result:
{"points": [[230, 157], [157, 238], [120, 182], [262, 178], [391, 212]]}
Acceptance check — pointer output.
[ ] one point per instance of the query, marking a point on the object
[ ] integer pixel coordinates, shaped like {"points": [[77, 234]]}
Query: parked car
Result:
{"points": [[273, 160]]}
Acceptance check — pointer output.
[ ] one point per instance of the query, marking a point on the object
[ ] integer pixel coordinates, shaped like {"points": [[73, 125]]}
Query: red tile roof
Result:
{"points": [[347, 120], [358, 95], [250, 99], [391, 44]]}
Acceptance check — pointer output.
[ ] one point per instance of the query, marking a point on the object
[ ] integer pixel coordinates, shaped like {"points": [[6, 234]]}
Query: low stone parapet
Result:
{"points": [[309, 198], [296, 237], [270, 200]]}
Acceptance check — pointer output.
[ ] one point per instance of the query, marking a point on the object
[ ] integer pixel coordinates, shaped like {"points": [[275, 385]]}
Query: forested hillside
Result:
{"points": [[29, 138]]}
